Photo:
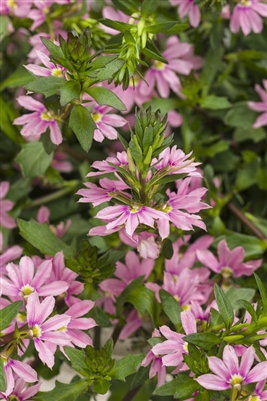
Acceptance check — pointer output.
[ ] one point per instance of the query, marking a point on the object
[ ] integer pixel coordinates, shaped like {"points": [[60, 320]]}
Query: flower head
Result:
{"points": [[246, 15], [188, 7], [260, 106], [5, 206]]}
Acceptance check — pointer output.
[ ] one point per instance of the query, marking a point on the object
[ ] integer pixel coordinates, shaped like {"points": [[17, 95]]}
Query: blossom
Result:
{"points": [[187, 7], [21, 391], [229, 262], [133, 322], [260, 106], [5, 206], [174, 161], [260, 394], [109, 189], [156, 366], [8, 254], [38, 15], [129, 216], [44, 332], [49, 69], [38, 122], [60, 162], [24, 280], [246, 15], [20, 8], [229, 373], [20, 369], [121, 160], [180, 60], [43, 217], [105, 123]]}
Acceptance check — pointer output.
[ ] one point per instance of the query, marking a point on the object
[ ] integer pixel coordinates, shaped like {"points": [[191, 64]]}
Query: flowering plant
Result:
{"points": [[133, 200]]}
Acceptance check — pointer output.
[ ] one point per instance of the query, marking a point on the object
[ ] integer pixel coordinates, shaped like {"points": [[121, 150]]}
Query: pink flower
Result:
{"points": [[180, 60], [156, 366], [7, 255], [133, 322], [43, 217], [229, 262], [229, 373], [260, 106], [246, 15], [187, 7], [20, 8], [104, 168], [174, 161], [25, 280], [38, 122], [49, 69], [20, 369], [37, 45], [129, 216], [60, 162], [21, 391], [5, 206], [105, 123], [44, 332], [109, 189], [259, 391]]}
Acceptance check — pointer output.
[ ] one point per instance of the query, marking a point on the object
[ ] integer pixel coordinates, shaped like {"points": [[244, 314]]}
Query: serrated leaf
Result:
{"points": [[40, 236], [104, 96], [203, 340], [263, 294], [69, 91], [48, 86], [3, 383], [181, 387], [126, 366], [77, 358], [33, 159], [170, 306], [54, 50], [83, 126], [63, 392], [8, 313], [224, 306]]}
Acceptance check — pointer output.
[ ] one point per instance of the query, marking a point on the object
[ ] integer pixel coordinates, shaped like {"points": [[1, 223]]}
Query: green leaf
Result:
{"points": [[240, 116], [126, 366], [40, 236], [48, 86], [248, 133], [166, 179], [128, 7], [8, 114], [138, 295], [77, 358], [104, 96], [224, 306], [167, 249], [63, 392], [7, 315], [140, 377], [235, 294], [249, 308], [169, 28], [119, 26], [33, 159], [151, 51], [263, 294], [69, 91], [83, 126], [4, 28], [20, 77], [181, 387], [203, 340], [215, 102], [107, 72], [3, 383], [101, 386], [54, 50], [148, 7], [170, 306]]}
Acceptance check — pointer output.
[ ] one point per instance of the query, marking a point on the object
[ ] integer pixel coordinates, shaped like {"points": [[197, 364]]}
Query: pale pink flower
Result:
{"points": [[49, 69], [38, 122], [24, 280], [260, 106], [8, 254], [105, 123], [129, 216], [37, 45], [19, 369], [44, 332], [180, 60], [19, 8], [5, 206], [259, 391], [38, 15], [246, 15], [156, 368], [144, 242], [229, 373], [96, 195], [133, 322], [188, 7], [60, 162], [43, 217], [115, 15], [21, 391], [229, 262], [121, 160]]}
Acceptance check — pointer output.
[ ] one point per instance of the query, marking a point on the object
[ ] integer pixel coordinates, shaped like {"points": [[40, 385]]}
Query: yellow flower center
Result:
{"points": [[13, 397], [176, 298], [226, 272], [134, 81], [35, 331], [236, 381], [245, 3], [135, 209], [57, 72], [11, 4], [158, 65], [47, 116], [96, 117], [166, 208], [21, 318], [185, 347], [186, 307], [63, 329], [26, 290]]}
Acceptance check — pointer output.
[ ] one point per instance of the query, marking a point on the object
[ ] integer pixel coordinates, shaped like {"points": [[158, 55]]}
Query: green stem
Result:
{"points": [[51, 197]]}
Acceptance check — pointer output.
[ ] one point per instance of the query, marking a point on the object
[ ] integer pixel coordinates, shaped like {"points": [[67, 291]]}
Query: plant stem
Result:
{"points": [[51, 197], [240, 215]]}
